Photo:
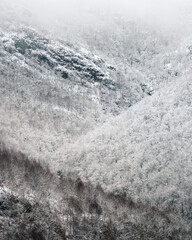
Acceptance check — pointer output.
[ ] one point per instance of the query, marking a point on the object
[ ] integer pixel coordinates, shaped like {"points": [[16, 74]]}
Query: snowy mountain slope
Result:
{"points": [[45, 205], [145, 152], [141, 52], [73, 84], [108, 85], [56, 97], [45, 80]]}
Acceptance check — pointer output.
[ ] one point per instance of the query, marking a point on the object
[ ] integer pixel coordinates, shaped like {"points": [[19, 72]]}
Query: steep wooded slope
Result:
{"points": [[146, 151], [41, 205], [55, 98]]}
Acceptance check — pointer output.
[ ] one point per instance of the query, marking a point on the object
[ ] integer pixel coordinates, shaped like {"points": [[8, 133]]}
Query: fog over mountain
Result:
{"points": [[167, 15], [95, 119]]}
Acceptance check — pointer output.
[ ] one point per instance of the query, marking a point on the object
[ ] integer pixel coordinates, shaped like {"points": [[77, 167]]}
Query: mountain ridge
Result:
{"points": [[110, 105]]}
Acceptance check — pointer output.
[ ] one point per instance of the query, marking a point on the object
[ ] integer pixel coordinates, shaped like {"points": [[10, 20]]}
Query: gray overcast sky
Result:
{"points": [[166, 14]]}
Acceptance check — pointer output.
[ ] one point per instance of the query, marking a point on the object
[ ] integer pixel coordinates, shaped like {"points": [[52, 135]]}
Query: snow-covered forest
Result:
{"points": [[95, 119]]}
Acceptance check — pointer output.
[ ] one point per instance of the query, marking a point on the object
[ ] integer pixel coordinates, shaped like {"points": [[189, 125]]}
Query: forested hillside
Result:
{"points": [[36, 204], [95, 122], [151, 159]]}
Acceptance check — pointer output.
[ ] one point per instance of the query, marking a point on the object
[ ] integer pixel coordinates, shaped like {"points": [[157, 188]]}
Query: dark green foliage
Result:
{"points": [[59, 173], [54, 57]]}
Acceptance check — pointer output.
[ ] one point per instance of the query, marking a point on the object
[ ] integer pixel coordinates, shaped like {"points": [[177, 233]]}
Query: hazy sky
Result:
{"points": [[165, 14]]}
